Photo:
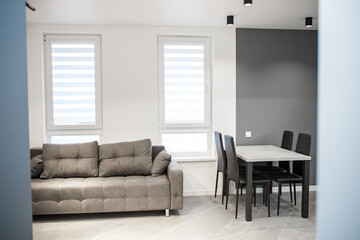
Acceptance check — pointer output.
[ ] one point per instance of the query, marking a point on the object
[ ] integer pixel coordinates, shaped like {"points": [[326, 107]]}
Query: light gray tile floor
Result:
{"points": [[203, 217]]}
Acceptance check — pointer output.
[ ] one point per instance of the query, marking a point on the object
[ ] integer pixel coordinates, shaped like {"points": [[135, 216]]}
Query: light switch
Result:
{"points": [[248, 134]]}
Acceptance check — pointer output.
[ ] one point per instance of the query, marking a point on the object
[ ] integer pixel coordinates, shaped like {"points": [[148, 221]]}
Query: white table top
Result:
{"points": [[268, 153]]}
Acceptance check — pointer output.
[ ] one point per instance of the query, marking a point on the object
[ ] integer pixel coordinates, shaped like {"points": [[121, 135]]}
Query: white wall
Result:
{"points": [[130, 87]]}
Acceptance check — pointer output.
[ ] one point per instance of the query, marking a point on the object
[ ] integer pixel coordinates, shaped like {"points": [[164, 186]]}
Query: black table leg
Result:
{"points": [[305, 190], [271, 183], [249, 185]]}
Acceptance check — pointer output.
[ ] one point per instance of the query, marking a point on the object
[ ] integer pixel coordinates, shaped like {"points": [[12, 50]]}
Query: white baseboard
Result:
{"points": [[232, 191], [200, 193]]}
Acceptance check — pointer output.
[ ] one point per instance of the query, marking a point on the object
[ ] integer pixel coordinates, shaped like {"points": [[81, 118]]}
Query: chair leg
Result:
{"points": [[224, 188], [295, 193], [264, 187], [241, 188], [216, 183], [265, 196], [254, 196], [278, 203], [268, 198], [227, 194], [280, 191], [290, 192], [237, 200]]}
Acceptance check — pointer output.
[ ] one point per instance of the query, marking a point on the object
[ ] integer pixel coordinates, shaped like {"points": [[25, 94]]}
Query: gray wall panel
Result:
{"points": [[276, 86]]}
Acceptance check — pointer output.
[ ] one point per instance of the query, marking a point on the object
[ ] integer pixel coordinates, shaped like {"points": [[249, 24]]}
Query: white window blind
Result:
{"points": [[73, 82], [184, 84], [184, 73]]}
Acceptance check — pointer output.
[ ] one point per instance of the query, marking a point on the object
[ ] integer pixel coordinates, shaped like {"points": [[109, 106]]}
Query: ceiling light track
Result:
{"points": [[30, 7]]}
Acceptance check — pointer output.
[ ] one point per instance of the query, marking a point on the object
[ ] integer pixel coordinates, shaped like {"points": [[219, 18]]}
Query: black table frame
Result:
{"points": [[305, 190]]}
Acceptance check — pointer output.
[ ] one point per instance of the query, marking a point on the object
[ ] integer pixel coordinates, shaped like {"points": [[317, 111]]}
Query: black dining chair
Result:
{"points": [[284, 166], [239, 177], [221, 164], [303, 146], [286, 143]]}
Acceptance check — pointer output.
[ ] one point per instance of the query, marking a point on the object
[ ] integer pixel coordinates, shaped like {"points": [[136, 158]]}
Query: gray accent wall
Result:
{"points": [[15, 199], [276, 86]]}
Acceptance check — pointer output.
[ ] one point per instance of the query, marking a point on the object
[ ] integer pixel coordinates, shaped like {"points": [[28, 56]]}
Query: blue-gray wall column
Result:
{"points": [[15, 199], [339, 120]]}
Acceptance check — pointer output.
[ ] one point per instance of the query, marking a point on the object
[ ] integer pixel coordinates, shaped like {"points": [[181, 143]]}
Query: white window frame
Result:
{"points": [[61, 134], [187, 128], [71, 38]]}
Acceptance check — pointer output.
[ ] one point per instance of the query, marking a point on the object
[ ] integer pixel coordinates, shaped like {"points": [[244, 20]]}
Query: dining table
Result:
{"points": [[251, 154]]}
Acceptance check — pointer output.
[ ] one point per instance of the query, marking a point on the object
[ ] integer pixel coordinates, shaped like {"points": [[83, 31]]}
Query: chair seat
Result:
{"points": [[284, 177], [242, 169], [269, 169], [257, 178]]}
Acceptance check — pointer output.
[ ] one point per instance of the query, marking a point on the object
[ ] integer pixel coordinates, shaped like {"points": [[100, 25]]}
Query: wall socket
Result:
{"points": [[248, 134]]}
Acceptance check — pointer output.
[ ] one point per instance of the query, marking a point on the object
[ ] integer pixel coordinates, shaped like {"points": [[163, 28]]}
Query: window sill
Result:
{"points": [[194, 159]]}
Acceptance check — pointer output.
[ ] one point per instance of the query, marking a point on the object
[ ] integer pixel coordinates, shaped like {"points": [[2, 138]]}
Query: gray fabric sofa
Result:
{"points": [[97, 181]]}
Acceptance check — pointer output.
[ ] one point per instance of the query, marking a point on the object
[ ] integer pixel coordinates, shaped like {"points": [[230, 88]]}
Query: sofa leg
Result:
{"points": [[167, 212]]}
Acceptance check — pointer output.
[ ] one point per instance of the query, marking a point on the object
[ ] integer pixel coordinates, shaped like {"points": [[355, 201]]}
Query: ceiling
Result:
{"points": [[277, 14]]}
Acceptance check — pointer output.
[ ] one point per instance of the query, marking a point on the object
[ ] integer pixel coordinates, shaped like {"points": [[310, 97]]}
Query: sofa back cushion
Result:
{"points": [[70, 160], [156, 149], [160, 163], [125, 158], [36, 166]]}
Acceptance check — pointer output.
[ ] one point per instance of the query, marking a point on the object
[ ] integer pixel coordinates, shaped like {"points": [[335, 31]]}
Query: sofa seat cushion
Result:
{"points": [[125, 158], [70, 160], [112, 194]]}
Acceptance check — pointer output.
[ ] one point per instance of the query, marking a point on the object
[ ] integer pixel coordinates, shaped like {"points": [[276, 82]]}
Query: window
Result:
{"points": [[72, 83], [185, 73]]}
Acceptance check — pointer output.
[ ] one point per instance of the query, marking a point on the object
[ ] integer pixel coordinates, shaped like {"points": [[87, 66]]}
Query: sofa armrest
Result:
{"points": [[175, 175]]}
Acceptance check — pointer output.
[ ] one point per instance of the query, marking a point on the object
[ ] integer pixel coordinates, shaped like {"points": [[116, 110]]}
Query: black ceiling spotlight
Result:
{"points": [[230, 20], [30, 7], [248, 3], [308, 22]]}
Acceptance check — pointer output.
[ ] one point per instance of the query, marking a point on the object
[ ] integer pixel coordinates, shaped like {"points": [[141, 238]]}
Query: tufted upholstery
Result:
{"points": [[70, 160], [108, 194], [111, 194], [125, 158]]}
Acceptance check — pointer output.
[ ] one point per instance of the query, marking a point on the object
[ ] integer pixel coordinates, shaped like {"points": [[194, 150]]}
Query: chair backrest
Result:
{"points": [[233, 165], [303, 146], [222, 161], [286, 143], [287, 140]]}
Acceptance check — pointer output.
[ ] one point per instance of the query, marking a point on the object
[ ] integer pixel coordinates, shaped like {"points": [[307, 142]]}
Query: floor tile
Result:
{"points": [[203, 217], [298, 234], [40, 235], [199, 226], [128, 232]]}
